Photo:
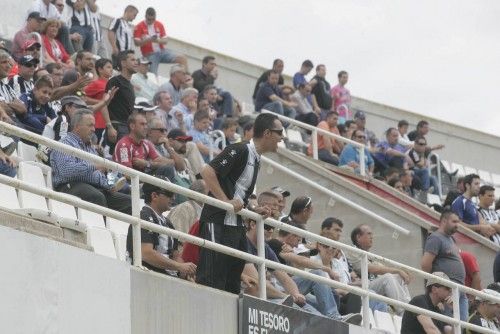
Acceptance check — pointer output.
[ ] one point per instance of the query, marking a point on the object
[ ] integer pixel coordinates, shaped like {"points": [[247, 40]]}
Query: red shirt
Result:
{"points": [[191, 252], [471, 266], [96, 90], [141, 30], [64, 56], [126, 149]]}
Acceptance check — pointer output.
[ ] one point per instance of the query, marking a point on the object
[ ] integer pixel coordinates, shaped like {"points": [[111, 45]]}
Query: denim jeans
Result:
{"points": [[163, 56], [324, 301], [326, 156], [277, 107], [5, 169], [226, 105], [423, 175], [87, 33]]}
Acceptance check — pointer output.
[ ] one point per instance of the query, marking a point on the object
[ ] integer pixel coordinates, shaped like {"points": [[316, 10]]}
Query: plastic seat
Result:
{"points": [[26, 152], [91, 219], [459, 168], [117, 226], [102, 241], [384, 321], [485, 176], [67, 217], [9, 197], [120, 241]]}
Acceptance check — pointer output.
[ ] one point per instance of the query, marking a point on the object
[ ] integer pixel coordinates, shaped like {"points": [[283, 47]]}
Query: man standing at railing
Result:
{"points": [[231, 178], [442, 254]]}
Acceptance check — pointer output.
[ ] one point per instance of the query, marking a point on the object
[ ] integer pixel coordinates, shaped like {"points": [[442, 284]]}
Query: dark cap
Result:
{"points": [[360, 114], [283, 192], [178, 134], [36, 15], [75, 100], [28, 60], [149, 188], [31, 42]]}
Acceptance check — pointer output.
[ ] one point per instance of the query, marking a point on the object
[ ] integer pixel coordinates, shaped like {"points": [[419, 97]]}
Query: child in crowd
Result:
{"points": [[38, 110]]}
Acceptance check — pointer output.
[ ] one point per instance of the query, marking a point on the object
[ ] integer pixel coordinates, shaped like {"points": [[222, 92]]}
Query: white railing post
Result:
{"points": [[365, 284], [457, 329], [362, 162], [261, 252], [136, 229], [315, 144]]}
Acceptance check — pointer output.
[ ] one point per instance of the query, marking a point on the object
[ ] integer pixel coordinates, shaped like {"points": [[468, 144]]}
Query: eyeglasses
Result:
{"points": [[163, 130], [277, 131]]}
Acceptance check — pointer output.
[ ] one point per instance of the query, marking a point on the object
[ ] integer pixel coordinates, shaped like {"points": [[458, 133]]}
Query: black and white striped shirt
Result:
{"points": [[123, 33], [490, 217], [21, 85], [7, 94], [79, 18], [95, 22]]}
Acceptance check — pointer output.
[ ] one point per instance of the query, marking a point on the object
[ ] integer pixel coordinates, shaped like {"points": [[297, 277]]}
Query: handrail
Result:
{"points": [[138, 224], [51, 194], [316, 130]]}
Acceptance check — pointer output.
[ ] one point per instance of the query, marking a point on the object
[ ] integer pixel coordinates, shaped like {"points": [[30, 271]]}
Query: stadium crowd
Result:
{"points": [[58, 80]]}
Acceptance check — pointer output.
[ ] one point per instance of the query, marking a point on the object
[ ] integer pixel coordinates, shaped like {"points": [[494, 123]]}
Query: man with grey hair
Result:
{"points": [[174, 85], [82, 178], [163, 101], [184, 215], [182, 113]]}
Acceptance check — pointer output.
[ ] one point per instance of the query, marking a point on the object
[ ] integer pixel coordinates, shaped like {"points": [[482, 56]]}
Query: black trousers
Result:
{"points": [[113, 200], [218, 270]]}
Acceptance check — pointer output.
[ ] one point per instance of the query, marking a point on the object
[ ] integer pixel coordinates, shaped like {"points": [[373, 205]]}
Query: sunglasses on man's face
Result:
{"points": [[277, 131]]}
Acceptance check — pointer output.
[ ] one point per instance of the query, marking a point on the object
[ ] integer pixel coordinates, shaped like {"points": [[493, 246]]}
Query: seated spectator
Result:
{"points": [[200, 135], [299, 78], [328, 147], [174, 86], [403, 136], [151, 37], [81, 178], [420, 167], [269, 97], [184, 215], [421, 131], [386, 281], [371, 140], [136, 152], [33, 24], [10, 104], [390, 153], [466, 210], [163, 101], [350, 127], [39, 112], [282, 195], [229, 128], [397, 184], [406, 178], [487, 212], [486, 313], [305, 111], [301, 211], [247, 131], [160, 252], [182, 144], [278, 66], [208, 102], [144, 85], [182, 113], [436, 294], [54, 51], [206, 76], [341, 98], [59, 127], [7, 164], [23, 81], [350, 154], [157, 134], [79, 15]]}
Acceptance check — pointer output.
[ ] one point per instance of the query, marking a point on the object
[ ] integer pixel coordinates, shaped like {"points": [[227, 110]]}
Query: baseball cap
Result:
{"points": [[28, 60], [142, 104], [283, 192], [360, 114], [490, 292], [144, 60], [177, 68], [78, 102], [30, 43], [178, 134], [433, 281], [36, 15], [149, 188]]}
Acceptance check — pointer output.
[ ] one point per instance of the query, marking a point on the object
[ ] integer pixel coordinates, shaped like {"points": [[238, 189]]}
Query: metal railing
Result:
{"points": [[314, 137], [260, 260]]}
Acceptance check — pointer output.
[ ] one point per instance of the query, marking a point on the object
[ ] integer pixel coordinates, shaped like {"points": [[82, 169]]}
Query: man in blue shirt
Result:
{"points": [[350, 154], [300, 76], [466, 210], [389, 152], [269, 97]]}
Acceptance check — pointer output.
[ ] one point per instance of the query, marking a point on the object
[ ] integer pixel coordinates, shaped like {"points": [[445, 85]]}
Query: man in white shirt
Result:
{"points": [[144, 85]]}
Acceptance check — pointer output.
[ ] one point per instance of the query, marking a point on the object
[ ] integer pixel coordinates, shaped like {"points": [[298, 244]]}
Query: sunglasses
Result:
{"points": [[160, 129], [277, 131]]}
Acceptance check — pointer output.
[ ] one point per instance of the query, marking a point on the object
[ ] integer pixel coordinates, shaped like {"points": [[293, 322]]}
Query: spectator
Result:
{"points": [[144, 85], [472, 273], [247, 131], [184, 215], [98, 47], [54, 51], [269, 200], [386, 281], [389, 152], [371, 140], [350, 127], [466, 210], [183, 145], [420, 167], [81, 178], [435, 295], [135, 151], [23, 82], [282, 195], [174, 86], [122, 105], [221, 176], [157, 135], [269, 97], [38, 111], [163, 101], [33, 24], [422, 130], [486, 211], [350, 154], [206, 76], [305, 111], [120, 34], [406, 179], [278, 66], [328, 147], [486, 313], [442, 254], [321, 90], [182, 112], [7, 164], [403, 136], [229, 128], [300, 77], [300, 211], [59, 127], [397, 184], [210, 96], [151, 37], [85, 63], [160, 252], [96, 90], [200, 135], [341, 98], [10, 104], [496, 268], [79, 15]]}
